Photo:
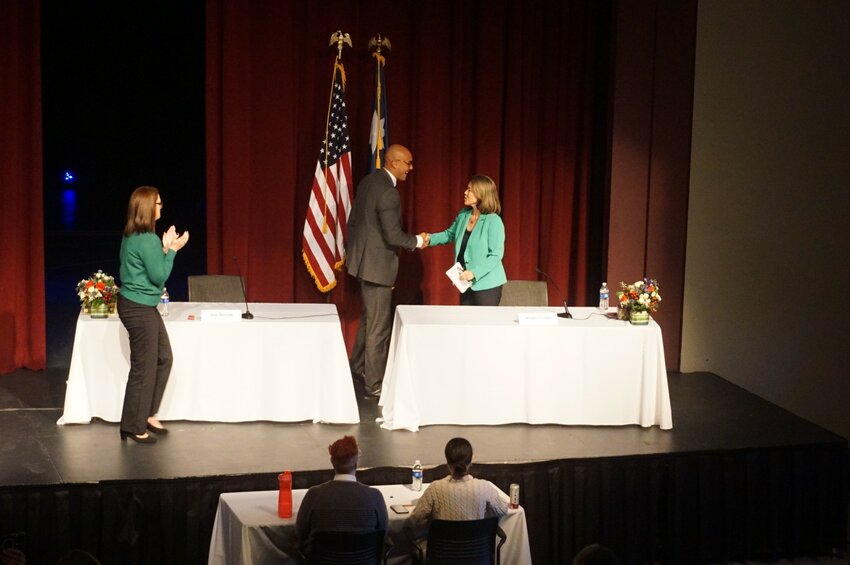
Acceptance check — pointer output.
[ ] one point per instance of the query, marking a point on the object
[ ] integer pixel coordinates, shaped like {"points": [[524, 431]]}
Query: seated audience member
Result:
{"points": [[596, 554], [343, 504], [458, 496]]}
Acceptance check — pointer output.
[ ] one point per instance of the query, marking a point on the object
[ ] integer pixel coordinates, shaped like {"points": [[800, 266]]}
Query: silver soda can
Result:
{"points": [[514, 493]]}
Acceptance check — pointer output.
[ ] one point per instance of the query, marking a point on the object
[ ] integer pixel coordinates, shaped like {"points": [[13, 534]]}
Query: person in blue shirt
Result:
{"points": [[146, 262]]}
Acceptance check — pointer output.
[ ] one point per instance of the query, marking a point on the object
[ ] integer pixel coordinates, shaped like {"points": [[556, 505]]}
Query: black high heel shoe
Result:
{"points": [[137, 439], [154, 429]]}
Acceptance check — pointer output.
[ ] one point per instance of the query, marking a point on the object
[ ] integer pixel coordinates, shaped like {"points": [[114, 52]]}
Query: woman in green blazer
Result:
{"points": [[479, 237]]}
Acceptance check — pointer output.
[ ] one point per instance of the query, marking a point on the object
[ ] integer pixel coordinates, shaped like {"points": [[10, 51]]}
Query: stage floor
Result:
{"points": [[83, 474], [709, 414]]}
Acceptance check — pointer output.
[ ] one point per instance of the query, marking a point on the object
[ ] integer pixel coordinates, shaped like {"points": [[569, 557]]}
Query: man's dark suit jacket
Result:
{"points": [[374, 231]]}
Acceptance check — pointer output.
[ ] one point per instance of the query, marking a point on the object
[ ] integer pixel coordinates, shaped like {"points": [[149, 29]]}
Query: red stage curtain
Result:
{"points": [[22, 333], [496, 87]]}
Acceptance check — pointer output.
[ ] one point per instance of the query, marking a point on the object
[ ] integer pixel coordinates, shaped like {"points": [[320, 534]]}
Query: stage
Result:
{"points": [[737, 478]]}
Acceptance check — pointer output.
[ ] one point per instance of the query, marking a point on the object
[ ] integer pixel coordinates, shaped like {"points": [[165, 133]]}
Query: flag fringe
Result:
{"points": [[322, 288]]}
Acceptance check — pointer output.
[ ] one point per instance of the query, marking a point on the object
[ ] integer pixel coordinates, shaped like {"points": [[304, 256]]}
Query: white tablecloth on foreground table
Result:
{"points": [[247, 529]]}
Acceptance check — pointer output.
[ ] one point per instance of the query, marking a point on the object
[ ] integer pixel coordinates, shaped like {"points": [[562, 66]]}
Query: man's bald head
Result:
{"points": [[398, 160]]}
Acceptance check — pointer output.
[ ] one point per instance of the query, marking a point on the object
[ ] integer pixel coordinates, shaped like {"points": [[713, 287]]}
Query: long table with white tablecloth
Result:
{"points": [[288, 364], [247, 529], [479, 365]]}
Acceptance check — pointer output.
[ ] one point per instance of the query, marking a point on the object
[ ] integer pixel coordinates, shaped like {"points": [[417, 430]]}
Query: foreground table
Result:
{"points": [[478, 365], [248, 530], [288, 364]]}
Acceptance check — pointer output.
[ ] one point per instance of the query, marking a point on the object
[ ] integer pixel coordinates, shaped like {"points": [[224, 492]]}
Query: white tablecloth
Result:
{"points": [[248, 530], [478, 365], [288, 364]]}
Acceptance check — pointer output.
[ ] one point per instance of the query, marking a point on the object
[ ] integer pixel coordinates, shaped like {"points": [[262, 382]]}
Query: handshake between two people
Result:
{"points": [[464, 275], [426, 240], [171, 240]]}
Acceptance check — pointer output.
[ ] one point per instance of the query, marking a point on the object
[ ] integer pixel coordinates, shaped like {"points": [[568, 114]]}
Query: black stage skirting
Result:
{"points": [[685, 505]]}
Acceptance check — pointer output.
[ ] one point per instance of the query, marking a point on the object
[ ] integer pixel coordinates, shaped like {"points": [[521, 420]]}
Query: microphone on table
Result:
{"points": [[246, 315], [566, 312]]}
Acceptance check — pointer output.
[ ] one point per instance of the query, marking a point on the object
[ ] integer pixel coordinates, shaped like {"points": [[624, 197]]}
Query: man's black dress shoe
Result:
{"points": [[137, 439]]}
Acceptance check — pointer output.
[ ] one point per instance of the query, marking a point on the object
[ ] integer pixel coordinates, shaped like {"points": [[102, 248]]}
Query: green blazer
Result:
{"points": [[484, 250]]}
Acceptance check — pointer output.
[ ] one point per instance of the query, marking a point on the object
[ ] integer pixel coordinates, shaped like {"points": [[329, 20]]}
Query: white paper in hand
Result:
{"points": [[454, 275]]}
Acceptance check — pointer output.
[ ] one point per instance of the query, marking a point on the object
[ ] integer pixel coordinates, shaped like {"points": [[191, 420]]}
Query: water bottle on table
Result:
{"points": [[417, 476], [163, 302], [604, 293], [284, 495]]}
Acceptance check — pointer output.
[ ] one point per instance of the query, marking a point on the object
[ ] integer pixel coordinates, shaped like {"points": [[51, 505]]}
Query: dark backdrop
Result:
{"points": [[123, 106]]}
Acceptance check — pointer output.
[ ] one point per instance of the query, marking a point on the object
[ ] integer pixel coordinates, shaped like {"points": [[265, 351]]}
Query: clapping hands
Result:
{"points": [[174, 241]]}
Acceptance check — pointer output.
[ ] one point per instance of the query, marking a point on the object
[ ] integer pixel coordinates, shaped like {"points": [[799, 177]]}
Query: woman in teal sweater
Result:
{"points": [[146, 262], [479, 237]]}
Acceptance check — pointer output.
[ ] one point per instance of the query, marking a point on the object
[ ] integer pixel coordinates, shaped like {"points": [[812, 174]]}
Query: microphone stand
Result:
{"points": [[566, 312], [246, 315]]}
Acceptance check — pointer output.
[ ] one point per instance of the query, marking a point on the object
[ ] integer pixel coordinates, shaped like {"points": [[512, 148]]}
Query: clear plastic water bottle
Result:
{"points": [[417, 476], [163, 302], [603, 296]]}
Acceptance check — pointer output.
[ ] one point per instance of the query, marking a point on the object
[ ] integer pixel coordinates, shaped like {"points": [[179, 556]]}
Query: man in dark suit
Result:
{"points": [[343, 504], [371, 255]]}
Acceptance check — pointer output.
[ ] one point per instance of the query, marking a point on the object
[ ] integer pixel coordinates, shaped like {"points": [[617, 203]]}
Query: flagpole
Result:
{"points": [[323, 239], [376, 44], [339, 38]]}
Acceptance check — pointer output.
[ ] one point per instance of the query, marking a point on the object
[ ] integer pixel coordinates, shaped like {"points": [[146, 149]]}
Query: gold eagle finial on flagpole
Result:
{"points": [[378, 42], [339, 38]]}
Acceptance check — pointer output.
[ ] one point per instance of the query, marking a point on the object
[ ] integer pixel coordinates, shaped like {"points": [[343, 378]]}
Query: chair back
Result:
{"points": [[464, 542], [524, 293], [348, 548], [215, 288]]}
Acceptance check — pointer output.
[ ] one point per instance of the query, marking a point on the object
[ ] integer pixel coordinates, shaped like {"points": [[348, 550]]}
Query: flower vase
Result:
{"points": [[113, 308], [623, 311], [639, 318], [99, 310]]}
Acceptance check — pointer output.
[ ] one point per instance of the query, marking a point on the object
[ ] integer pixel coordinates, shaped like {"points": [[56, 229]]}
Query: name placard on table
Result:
{"points": [[537, 318], [224, 315]]}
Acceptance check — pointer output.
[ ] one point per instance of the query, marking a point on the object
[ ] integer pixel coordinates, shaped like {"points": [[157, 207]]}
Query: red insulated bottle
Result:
{"points": [[284, 497]]}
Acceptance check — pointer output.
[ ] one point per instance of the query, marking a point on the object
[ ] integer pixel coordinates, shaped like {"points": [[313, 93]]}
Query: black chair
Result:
{"points": [[348, 548], [463, 542], [215, 288]]}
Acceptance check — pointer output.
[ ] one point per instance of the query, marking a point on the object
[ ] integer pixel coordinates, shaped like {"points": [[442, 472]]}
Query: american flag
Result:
{"points": [[325, 228]]}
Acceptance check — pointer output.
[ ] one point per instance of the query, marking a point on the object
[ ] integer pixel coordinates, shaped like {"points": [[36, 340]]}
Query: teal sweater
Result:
{"points": [[144, 268], [484, 250]]}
